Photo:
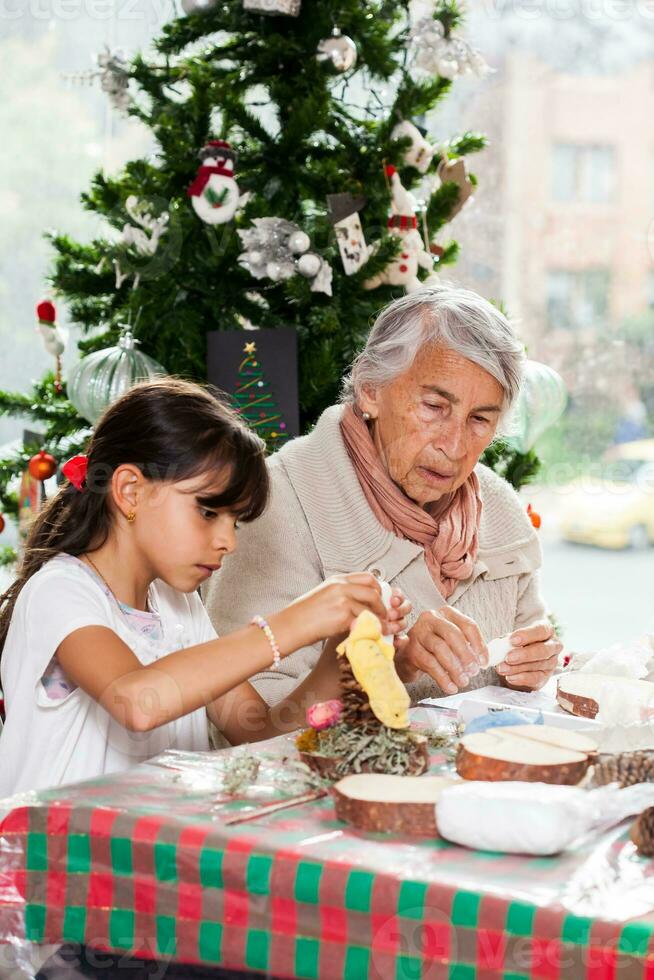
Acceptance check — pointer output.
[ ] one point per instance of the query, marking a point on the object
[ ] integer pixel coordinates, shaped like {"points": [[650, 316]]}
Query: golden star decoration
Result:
{"points": [[250, 348]]}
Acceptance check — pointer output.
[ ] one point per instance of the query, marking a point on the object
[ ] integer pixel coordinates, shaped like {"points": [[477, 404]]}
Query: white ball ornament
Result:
{"points": [[299, 242], [274, 271], [309, 265]]}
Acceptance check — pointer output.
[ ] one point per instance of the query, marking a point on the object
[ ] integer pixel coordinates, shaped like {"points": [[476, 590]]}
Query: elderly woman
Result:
{"points": [[389, 481]]}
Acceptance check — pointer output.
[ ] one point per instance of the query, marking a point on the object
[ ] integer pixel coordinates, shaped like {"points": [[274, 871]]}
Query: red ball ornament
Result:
{"points": [[534, 517], [42, 466], [2, 524], [46, 312]]}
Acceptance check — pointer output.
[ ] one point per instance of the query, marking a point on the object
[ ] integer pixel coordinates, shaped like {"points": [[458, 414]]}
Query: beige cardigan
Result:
{"points": [[318, 523]]}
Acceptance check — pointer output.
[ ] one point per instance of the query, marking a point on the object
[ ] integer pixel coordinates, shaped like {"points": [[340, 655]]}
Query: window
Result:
{"points": [[577, 299], [583, 173]]}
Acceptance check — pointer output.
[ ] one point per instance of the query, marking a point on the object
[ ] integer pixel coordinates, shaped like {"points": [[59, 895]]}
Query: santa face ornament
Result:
{"points": [[214, 193]]}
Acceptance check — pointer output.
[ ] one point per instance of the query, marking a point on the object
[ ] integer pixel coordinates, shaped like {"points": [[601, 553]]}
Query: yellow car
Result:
{"points": [[616, 508]]}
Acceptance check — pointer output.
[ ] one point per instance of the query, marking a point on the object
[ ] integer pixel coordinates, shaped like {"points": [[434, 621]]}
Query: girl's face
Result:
{"points": [[182, 538]]}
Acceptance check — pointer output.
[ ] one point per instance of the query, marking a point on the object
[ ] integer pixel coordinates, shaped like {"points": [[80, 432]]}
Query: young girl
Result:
{"points": [[108, 656]]}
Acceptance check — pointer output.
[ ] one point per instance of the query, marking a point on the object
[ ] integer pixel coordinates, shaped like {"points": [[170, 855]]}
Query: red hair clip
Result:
{"points": [[75, 469]]}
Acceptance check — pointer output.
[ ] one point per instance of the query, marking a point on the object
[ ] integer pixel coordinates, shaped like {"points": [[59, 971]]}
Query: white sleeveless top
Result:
{"points": [[50, 741]]}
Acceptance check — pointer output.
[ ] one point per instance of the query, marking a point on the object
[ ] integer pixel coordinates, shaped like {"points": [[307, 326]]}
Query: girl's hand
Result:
{"points": [[445, 645], [396, 616], [332, 607]]}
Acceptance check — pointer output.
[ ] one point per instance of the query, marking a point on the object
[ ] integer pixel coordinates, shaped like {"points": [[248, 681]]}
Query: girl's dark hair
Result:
{"points": [[172, 430]]}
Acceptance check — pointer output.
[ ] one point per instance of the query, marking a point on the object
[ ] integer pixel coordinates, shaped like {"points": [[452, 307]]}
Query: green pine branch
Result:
{"points": [[516, 467], [299, 134], [8, 556], [469, 142]]}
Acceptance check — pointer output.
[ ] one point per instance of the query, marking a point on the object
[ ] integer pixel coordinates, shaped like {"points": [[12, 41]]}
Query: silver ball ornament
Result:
{"points": [[299, 242], [339, 52], [309, 265], [100, 378], [274, 271], [197, 6]]}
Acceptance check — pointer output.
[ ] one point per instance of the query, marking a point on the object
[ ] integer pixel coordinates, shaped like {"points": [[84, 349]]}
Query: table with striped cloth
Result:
{"points": [[143, 862]]}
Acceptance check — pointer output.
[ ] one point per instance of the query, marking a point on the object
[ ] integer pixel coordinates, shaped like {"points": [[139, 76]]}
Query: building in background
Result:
{"points": [[578, 175], [562, 230]]}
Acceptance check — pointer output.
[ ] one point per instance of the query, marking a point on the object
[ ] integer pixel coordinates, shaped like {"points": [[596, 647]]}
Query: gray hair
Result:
{"points": [[442, 314]]}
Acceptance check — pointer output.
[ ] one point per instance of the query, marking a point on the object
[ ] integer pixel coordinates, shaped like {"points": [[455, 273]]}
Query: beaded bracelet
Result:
{"points": [[270, 636]]}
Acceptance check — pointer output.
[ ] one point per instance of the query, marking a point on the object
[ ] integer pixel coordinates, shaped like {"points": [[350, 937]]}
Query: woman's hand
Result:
{"points": [[447, 646], [396, 616], [331, 608], [534, 659]]}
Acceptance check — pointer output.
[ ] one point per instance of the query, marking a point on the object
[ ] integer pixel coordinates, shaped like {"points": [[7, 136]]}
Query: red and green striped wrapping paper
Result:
{"points": [[142, 862]]}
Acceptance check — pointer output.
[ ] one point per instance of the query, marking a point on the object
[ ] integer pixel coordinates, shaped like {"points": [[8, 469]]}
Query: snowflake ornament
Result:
{"points": [[435, 53], [277, 249]]}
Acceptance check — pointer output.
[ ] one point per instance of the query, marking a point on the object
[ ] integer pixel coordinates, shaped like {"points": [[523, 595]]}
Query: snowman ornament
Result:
{"points": [[214, 193], [403, 271]]}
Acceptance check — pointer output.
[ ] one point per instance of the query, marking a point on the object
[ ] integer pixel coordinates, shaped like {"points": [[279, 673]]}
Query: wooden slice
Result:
{"points": [[530, 753], [389, 804], [581, 694]]}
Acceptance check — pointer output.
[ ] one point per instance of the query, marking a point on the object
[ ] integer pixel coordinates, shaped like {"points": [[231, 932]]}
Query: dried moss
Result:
{"points": [[307, 741], [361, 749]]}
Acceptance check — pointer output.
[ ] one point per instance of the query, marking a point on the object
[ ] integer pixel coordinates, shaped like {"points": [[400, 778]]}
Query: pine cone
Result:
{"points": [[625, 768], [642, 832], [356, 707]]}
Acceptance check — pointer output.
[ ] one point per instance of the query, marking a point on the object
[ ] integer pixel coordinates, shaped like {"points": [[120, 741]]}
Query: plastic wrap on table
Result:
{"points": [[146, 863]]}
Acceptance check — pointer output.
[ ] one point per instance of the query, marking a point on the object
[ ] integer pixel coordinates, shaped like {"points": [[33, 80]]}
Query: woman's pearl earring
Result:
{"points": [[366, 416]]}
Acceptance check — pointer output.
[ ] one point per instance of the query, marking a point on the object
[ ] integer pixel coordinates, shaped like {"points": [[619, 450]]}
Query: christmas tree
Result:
{"points": [[277, 197], [254, 401]]}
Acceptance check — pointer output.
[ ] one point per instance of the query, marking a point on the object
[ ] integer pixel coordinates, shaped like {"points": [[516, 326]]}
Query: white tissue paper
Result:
{"points": [[532, 818], [632, 659], [497, 650]]}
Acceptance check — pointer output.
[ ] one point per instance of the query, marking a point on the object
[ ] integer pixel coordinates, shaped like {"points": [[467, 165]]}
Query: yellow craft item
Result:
{"points": [[372, 661]]}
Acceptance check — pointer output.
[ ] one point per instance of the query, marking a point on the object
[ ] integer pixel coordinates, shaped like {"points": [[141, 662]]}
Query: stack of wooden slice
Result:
{"points": [[531, 753], [384, 804], [581, 694]]}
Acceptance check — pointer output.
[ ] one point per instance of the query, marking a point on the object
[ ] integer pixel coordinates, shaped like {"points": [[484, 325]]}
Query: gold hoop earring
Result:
{"points": [[131, 516]]}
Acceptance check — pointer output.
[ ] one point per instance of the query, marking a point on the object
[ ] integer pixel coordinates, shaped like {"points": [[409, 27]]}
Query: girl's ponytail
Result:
{"points": [[69, 522]]}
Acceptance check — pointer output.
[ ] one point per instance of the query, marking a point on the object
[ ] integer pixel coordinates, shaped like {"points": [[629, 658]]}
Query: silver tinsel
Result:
{"points": [[435, 54], [277, 249]]}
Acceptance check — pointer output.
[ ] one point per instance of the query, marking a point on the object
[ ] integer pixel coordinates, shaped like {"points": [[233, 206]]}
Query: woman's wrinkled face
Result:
{"points": [[431, 424]]}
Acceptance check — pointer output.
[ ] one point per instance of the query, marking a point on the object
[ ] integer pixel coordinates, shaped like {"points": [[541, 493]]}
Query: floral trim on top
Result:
{"points": [[145, 623]]}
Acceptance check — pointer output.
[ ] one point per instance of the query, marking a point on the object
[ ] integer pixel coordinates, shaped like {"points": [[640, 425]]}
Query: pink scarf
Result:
{"points": [[450, 541]]}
